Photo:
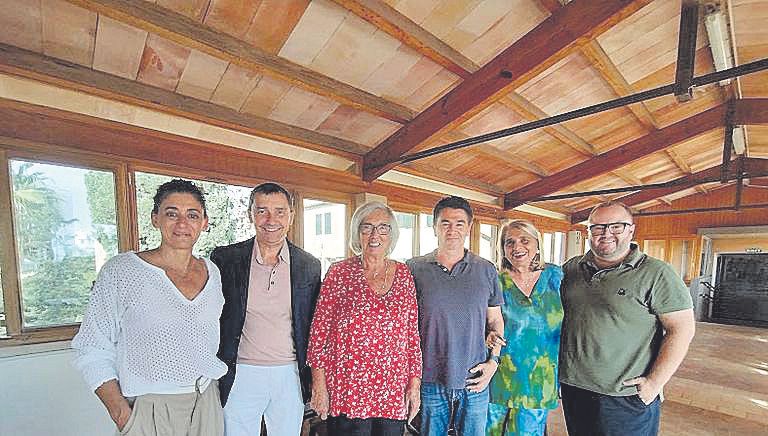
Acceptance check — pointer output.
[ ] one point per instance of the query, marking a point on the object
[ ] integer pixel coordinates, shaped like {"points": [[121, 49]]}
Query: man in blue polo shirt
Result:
{"points": [[459, 298]]}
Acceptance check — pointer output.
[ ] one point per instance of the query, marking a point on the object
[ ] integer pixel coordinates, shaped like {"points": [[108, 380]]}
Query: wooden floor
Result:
{"points": [[721, 388]]}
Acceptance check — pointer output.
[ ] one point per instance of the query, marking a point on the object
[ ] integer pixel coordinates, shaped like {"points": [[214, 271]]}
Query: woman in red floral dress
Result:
{"points": [[364, 344]]}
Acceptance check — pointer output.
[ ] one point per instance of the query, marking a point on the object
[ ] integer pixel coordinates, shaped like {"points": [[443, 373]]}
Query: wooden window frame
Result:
{"points": [[16, 333]]}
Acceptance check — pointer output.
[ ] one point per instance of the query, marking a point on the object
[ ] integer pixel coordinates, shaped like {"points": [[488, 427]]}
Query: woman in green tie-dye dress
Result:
{"points": [[525, 386]]}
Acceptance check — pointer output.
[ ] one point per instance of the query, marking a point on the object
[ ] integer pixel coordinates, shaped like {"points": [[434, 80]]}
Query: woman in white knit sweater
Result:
{"points": [[148, 341]]}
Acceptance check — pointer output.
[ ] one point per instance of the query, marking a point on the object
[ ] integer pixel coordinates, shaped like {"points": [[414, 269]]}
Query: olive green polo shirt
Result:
{"points": [[611, 331]]}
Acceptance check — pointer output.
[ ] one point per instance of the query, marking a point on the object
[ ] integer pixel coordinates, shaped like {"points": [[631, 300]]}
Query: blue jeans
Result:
{"points": [[439, 404], [589, 413]]}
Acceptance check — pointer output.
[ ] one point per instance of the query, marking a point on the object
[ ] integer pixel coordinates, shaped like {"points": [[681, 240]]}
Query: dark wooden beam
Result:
{"points": [[751, 165], [549, 42], [190, 33], [31, 65], [655, 141], [686, 49], [751, 111]]}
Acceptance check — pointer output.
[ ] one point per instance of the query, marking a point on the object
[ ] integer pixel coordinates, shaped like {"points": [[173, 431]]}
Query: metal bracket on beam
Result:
{"points": [[686, 50]]}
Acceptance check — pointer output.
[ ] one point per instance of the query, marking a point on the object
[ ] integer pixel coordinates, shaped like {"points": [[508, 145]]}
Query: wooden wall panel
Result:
{"points": [[664, 226]]}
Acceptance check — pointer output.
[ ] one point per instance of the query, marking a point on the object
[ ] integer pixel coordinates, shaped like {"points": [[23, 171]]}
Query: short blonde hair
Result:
{"points": [[527, 227], [362, 213]]}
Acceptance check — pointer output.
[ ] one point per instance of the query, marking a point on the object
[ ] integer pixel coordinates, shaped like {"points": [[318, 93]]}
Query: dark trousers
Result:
{"points": [[588, 413], [343, 426]]}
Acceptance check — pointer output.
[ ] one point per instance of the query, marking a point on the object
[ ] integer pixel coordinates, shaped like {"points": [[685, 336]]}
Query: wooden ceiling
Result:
{"points": [[373, 80]]}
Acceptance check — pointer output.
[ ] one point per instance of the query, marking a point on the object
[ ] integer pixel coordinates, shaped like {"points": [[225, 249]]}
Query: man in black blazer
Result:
{"points": [[270, 289]]}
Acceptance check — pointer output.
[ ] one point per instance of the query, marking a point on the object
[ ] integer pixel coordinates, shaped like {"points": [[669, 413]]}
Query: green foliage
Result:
{"points": [[227, 221], [57, 292], [38, 217], [100, 191]]}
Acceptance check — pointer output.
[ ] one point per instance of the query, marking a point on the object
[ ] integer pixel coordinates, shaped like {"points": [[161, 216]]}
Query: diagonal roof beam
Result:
{"points": [[752, 165], [190, 33], [655, 141], [549, 42], [402, 28], [23, 63], [409, 33]]}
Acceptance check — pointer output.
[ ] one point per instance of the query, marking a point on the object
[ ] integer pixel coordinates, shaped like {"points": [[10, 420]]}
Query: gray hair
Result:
{"points": [[362, 213]]}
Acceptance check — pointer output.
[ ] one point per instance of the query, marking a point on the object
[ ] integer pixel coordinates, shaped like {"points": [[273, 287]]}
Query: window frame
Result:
{"points": [[16, 333]]}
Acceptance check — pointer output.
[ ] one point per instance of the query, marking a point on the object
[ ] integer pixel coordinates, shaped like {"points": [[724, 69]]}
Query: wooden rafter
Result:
{"points": [[550, 41], [31, 65], [652, 142], [400, 27], [431, 172], [189, 33], [758, 166]]}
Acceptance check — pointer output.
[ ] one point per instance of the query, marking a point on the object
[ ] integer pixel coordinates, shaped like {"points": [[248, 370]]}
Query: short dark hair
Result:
{"points": [[270, 188], [452, 202], [610, 203], [178, 186]]}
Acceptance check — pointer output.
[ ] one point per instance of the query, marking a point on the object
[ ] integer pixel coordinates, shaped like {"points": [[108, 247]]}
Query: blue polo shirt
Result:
{"points": [[452, 315]]}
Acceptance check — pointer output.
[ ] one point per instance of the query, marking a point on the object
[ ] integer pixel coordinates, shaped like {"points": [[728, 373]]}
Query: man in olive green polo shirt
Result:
{"points": [[628, 323]]}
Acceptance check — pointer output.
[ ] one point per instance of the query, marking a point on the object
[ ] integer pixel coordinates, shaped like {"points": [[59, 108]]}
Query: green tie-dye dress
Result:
{"points": [[527, 374]]}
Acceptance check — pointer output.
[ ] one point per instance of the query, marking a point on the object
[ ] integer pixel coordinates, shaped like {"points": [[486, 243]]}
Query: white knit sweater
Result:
{"points": [[140, 330]]}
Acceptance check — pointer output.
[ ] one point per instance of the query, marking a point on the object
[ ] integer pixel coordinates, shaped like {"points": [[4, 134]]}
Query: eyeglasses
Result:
{"points": [[613, 228], [382, 229]]}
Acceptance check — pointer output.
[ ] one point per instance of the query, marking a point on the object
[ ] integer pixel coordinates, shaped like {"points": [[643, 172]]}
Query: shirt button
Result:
{"points": [[271, 283]]}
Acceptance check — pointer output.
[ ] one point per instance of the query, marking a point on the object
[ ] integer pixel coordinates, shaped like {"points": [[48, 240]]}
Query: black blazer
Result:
{"points": [[234, 262]]}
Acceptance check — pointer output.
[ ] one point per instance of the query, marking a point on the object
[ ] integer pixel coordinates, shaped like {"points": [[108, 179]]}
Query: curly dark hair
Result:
{"points": [[177, 186]]}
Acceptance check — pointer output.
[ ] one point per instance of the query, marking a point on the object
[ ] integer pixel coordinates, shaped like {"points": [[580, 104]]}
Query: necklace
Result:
{"points": [[526, 284], [375, 275]]}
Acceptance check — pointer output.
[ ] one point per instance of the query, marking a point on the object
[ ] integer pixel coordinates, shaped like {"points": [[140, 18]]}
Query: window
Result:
{"points": [[227, 207], [427, 238], [323, 223], [2, 307], [655, 248], [546, 250], [488, 242], [329, 245], [680, 257], [558, 250], [65, 229], [404, 248]]}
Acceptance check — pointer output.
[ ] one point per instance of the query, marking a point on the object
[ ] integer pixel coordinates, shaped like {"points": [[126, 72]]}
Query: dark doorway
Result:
{"points": [[741, 290]]}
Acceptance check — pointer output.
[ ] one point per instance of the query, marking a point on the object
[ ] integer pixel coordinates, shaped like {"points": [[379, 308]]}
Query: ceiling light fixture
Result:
{"points": [[719, 38]]}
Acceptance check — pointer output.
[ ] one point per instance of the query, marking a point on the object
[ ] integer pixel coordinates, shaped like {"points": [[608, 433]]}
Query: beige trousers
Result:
{"points": [[193, 414]]}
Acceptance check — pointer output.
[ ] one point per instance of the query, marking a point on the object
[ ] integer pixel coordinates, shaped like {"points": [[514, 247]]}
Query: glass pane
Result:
{"points": [[680, 257], [404, 248], [546, 250], [427, 238], [2, 307], [655, 248], [227, 207], [66, 228], [488, 242], [559, 252], [331, 246]]}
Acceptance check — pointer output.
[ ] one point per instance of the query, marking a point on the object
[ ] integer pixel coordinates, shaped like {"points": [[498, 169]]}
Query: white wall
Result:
{"points": [[41, 394]]}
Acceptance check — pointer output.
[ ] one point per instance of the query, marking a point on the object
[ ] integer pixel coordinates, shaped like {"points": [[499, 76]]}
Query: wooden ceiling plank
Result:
{"points": [[679, 161], [119, 48], [594, 52], [549, 42], [31, 65], [189, 33], [400, 27], [531, 112], [69, 32], [512, 160], [274, 22], [613, 159], [427, 171]]}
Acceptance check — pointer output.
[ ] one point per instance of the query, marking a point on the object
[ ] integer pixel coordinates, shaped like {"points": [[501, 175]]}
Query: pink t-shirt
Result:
{"points": [[267, 333]]}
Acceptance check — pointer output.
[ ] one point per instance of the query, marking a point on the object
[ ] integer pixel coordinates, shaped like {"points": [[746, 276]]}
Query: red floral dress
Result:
{"points": [[367, 344]]}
